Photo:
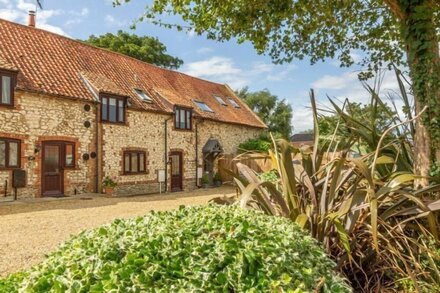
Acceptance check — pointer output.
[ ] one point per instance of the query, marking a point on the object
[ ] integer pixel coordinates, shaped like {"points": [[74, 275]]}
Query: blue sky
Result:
{"points": [[235, 64]]}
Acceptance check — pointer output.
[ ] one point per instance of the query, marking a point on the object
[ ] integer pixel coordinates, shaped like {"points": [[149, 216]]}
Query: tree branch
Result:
{"points": [[395, 8]]}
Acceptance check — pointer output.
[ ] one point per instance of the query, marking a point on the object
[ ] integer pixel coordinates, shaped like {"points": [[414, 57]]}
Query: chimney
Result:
{"points": [[31, 19]]}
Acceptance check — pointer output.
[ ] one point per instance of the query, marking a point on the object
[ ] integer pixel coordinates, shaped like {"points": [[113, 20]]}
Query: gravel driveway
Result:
{"points": [[30, 230]]}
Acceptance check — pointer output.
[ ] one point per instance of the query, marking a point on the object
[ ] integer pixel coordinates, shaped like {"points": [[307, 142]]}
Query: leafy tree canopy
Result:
{"points": [[147, 49], [277, 114], [289, 29]]}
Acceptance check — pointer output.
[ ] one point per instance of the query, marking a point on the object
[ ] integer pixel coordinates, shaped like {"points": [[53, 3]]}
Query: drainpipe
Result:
{"points": [[166, 152], [98, 149], [197, 153]]}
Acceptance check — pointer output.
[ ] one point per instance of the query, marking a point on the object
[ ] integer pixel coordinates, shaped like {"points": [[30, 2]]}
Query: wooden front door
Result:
{"points": [[176, 171], [53, 175]]}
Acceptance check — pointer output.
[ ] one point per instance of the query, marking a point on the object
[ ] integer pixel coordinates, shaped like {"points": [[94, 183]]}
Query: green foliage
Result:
{"points": [[217, 177], [294, 29], [197, 249], [376, 116], [359, 128], [254, 145], [270, 176], [109, 182], [205, 179], [307, 131], [421, 31], [364, 210], [435, 170], [147, 49], [277, 114]]}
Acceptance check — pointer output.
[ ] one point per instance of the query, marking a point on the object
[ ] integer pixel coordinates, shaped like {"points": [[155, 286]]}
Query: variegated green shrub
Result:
{"points": [[198, 249]]}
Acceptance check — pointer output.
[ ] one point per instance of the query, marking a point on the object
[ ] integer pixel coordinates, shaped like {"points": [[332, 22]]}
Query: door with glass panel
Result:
{"points": [[176, 171], [57, 156]]}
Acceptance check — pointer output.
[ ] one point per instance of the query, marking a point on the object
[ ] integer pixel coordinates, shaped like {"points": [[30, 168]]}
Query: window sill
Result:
{"points": [[114, 123], [8, 106], [9, 168], [137, 173], [182, 129]]}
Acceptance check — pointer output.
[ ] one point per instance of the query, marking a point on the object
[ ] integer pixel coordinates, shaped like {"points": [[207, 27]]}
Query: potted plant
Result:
{"points": [[217, 180], [109, 185], [205, 181]]}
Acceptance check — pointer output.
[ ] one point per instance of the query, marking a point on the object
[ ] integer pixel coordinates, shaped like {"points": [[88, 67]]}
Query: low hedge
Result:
{"points": [[211, 248]]}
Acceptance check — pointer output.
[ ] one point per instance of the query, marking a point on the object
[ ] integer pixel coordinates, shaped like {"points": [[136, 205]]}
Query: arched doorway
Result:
{"points": [[211, 151]]}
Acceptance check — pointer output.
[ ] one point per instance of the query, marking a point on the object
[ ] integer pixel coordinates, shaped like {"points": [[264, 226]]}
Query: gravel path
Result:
{"points": [[29, 231]]}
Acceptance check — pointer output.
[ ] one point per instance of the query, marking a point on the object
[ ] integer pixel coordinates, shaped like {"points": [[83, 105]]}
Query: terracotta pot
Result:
{"points": [[109, 191]]}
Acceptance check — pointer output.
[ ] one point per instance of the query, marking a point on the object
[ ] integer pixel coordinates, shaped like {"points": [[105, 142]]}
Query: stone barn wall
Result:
{"points": [[37, 118]]}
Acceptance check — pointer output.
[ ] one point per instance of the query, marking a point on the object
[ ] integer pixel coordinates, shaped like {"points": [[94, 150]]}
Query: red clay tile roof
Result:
{"points": [[56, 65]]}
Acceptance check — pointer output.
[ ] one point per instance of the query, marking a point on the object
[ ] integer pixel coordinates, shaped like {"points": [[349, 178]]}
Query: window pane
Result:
{"points": [[112, 110], [13, 154], [134, 163], [175, 165], [141, 162], [121, 110], [127, 162], [69, 155], [104, 109], [182, 119], [2, 154], [177, 118], [6, 90], [188, 119]]}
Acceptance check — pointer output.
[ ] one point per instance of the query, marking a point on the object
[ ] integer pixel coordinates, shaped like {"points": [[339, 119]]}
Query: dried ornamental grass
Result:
{"points": [[197, 249]]}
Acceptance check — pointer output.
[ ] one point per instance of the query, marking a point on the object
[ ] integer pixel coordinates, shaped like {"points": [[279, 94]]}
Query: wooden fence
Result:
{"points": [[258, 163]]}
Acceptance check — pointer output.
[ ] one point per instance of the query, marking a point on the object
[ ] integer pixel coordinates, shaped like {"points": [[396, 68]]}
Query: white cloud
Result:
{"points": [[221, 69], [212, 67], [25, 6], [17, 11], [281, 74], [204, 50], [335, 82], [10, 14], [112, 21], [347, 86], [224, 70]]}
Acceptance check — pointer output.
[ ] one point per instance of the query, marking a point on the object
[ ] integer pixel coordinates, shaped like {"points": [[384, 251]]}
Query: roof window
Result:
{"points": [[233, 103], [220, 100], [203, 107], [142, 95]]}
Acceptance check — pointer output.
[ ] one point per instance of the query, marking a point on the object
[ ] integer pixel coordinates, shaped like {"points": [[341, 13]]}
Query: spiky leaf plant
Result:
{"points": [[364, 210]]}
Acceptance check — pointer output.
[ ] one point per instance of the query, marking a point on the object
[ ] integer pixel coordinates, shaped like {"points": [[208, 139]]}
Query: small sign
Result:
{"points": [[18, 178], [161, 175], [199, 172]]}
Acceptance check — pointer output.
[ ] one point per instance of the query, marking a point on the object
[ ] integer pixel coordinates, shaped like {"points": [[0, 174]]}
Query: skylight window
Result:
{"points": [[144, 97], [233, 103], [220, 100], [203, 107]]}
